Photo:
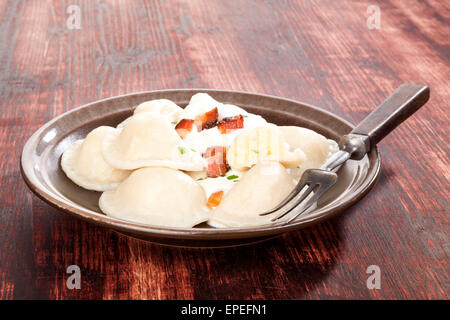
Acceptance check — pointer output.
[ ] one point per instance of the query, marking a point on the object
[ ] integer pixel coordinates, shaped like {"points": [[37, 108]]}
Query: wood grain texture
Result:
{"points": [[319, 52]]}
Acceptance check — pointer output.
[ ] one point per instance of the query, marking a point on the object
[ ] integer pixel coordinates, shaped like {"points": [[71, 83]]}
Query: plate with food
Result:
{"points": [[192, 167]]}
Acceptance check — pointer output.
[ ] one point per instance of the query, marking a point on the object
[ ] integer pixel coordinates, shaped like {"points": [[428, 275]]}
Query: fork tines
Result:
{"points": [[316, 181]]}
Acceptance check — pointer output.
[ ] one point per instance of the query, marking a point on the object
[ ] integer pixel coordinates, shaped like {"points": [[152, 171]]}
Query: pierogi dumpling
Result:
{"points": [[83, 163], [262, 143], [199, 103], [203, 102], [262, 188], [316, 147], [163, 107], [157, 196], [149, 140]]}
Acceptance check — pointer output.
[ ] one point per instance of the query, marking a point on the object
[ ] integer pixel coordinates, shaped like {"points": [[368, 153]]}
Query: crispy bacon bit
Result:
{"points": [[231, 123], [207, 120], [184, 127], [216, 158], [214, 199]]}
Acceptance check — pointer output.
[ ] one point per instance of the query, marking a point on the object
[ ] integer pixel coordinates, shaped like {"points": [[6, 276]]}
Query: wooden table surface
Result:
{"points": [[319, 52]]}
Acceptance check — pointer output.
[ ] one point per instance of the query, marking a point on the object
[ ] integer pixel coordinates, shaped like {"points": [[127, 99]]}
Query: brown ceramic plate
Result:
{"points": [[40, 165]]}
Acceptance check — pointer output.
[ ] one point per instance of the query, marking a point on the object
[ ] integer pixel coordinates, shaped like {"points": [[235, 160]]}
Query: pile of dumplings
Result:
{"points": [[209, 162]]}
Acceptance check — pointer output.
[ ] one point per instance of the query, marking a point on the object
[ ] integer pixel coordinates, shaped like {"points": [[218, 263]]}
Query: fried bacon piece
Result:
{"points": [[231, 123], [214, 199], [207, 120], [216, 158], [184, 127]]}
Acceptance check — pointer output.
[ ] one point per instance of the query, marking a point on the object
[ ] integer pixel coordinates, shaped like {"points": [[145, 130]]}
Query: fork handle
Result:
{"points": [[406, 100]]}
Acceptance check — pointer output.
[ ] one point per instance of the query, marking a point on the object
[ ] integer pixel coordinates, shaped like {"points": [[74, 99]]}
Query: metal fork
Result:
{"points": [[406, 100]]}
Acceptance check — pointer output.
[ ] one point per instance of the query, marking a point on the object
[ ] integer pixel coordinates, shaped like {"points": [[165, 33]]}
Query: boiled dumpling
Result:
{"points": [[316, 147], [199, 104], [163, 107], [157, 196], [262, 188], [83, 163], [149, 140], [262, 143], [203, 102]]}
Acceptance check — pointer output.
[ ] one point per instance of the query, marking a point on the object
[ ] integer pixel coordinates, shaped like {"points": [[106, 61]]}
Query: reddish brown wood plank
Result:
{"points": [[320, 52]]}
